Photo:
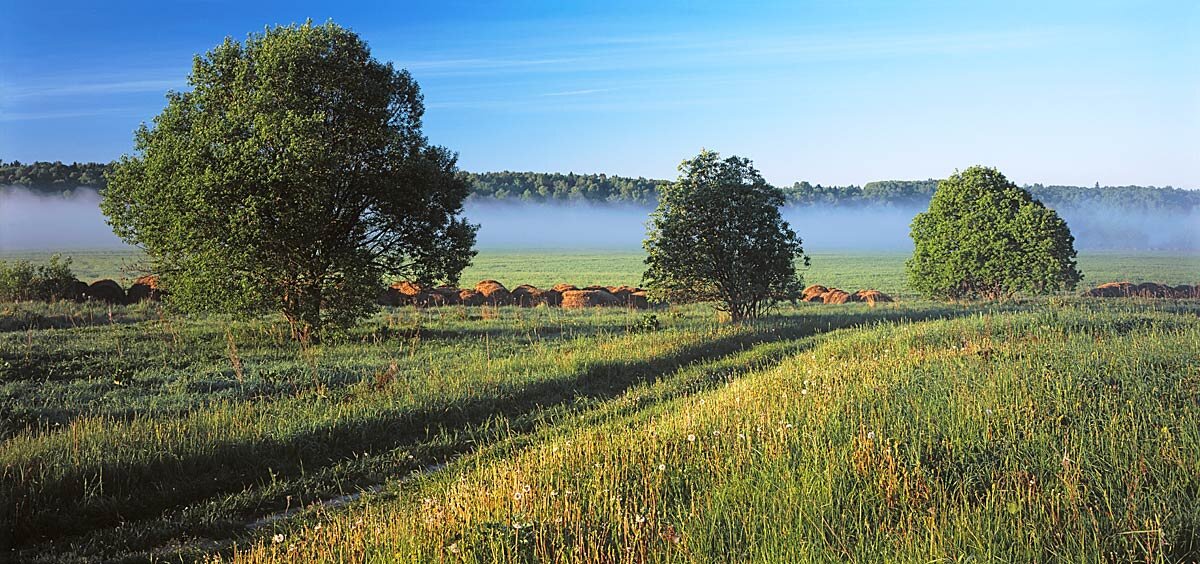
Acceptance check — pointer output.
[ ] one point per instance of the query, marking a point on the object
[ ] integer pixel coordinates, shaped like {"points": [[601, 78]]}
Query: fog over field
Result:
{"points": [[35, 222]]}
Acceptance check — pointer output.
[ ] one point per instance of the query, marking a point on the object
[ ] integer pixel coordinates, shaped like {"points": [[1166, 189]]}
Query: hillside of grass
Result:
{"points": [[900, 431], [1062, 433]]}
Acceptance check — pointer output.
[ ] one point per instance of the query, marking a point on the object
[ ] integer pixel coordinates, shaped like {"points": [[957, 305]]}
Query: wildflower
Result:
{"points": [[452, 549], [804, 392], [639, 519], [788, 426], [662, 467], [716, 433], [691, 438], [278, 538], [871, 435], [518, 495], [987, 412]]}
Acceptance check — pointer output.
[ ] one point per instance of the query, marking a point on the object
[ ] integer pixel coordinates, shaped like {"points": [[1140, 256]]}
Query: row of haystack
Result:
{"points": [[821, 294], [491, 292], [1143, 290], [110, 292]]}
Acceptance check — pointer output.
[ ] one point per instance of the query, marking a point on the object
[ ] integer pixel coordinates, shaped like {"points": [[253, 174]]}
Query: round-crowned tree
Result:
{"points": [[717, 236], [292, 176], [985, 237]]}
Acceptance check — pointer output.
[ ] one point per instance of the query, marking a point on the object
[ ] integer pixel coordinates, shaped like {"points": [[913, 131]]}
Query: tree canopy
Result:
{"points": [[294, 175], [717, 235], [983, 236]]}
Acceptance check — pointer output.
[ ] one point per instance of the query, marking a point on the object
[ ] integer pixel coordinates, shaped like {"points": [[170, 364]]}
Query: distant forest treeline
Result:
{"points": [[57, 178]]}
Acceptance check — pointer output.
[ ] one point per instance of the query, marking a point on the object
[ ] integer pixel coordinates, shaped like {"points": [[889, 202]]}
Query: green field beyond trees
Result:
{"points": [[848, 270]]}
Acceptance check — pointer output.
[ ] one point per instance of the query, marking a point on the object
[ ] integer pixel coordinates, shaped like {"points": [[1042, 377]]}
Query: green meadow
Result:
{"points": [[1050, 429], [852, 270]]}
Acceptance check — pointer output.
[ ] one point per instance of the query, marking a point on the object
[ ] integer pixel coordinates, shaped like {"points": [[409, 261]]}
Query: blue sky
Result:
{"points": [[829, 92]]}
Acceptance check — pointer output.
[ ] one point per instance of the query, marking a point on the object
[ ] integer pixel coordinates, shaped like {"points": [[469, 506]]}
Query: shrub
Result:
{"points": [[21, 281]]}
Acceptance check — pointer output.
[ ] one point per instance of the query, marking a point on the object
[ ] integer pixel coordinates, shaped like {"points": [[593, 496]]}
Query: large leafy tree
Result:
{"points": [[717, 236], [292, 176], [985, 237]]}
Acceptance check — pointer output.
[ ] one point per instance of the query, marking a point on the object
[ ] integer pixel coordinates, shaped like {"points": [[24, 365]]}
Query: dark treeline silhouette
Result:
{"points": [[57, 178]]}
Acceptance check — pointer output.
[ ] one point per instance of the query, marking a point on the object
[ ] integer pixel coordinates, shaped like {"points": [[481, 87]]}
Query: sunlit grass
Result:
{"points": [[1057, 434]]}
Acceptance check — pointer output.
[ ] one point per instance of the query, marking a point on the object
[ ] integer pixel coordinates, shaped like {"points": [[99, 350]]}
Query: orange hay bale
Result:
{"points": [[144, 288], [811, 291], [494, 293], [639, 300], [588, 298], [560, 288], [871, 297], [1110, 290], [471, 298], [410, 288], [835, 296], [526, 295], [107, 291]]}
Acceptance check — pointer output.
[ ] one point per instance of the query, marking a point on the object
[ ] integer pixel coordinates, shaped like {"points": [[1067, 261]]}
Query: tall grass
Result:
{"points": [[1066, 433], [125, 435]]}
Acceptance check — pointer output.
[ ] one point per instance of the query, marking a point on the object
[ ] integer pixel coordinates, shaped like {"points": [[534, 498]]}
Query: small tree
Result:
{"points": [[985, 237], [717, 236], [293, 176]]}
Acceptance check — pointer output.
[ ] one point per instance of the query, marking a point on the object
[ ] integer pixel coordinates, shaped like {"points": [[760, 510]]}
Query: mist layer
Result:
{"points": [[37, 222]]}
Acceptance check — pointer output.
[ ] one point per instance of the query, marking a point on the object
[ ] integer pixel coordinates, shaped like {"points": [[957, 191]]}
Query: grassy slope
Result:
{"points": [[852, 270], [1059, 434], [149, 434], [120, 436]]}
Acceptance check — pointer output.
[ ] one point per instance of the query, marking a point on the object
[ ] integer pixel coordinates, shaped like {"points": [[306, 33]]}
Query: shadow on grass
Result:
{"points": [[66, 506]]}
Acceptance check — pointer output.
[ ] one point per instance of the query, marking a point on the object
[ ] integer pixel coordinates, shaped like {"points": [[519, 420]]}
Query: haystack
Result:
{"points": [[388, 297], [144, 288], [107, 291], [1185, 291], [552, 298], [470, 298], [588, 298], [1154, 290], [816, 290], [835, 296], [527, 295], [871, 297], [448, 295], [410, 289], [639, 300], [494, 293], [79, 291], [560, 288], [1110, 290]]}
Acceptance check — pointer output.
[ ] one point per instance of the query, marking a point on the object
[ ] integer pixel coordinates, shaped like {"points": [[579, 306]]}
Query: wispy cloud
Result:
{"points": [[579, 92], [6, 116], [66, 86]]}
